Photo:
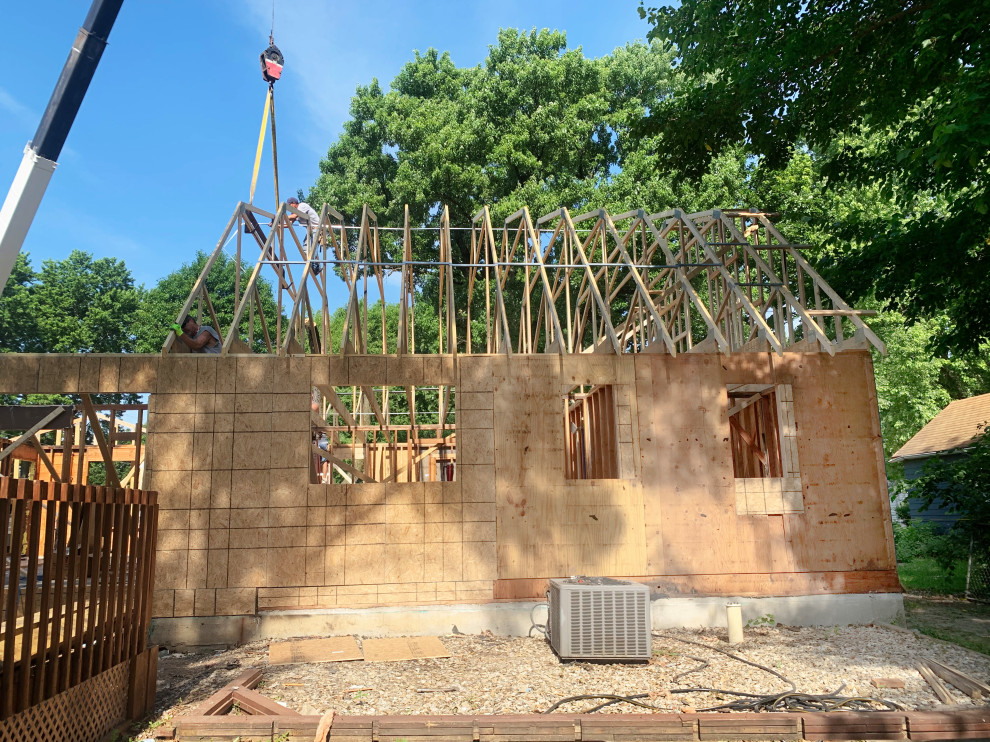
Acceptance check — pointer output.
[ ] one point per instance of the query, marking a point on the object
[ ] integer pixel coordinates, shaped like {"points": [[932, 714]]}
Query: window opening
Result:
{"points": [[591, 448], [754, 431], [380, 434]]}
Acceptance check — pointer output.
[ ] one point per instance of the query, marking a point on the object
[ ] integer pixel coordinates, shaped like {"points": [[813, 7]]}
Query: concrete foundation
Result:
{"points": [[510, 618]]}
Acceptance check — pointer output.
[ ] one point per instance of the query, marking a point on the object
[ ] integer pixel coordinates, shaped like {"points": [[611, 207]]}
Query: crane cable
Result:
{"points": [[271, 70]]}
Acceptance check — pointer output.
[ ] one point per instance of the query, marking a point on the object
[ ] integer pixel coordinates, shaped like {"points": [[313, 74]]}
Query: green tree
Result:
{"points": [[535, 124], [888, 92], [76, 305], [17, 317], [913, 385], [161, 304], [963, 485]]}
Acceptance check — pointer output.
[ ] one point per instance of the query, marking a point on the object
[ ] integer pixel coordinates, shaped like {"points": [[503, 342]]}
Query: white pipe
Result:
{"points": [[733, 617], [20, 206]]}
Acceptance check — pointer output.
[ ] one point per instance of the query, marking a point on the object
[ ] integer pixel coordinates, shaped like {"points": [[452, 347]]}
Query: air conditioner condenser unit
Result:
{"points": [[600, 618]]}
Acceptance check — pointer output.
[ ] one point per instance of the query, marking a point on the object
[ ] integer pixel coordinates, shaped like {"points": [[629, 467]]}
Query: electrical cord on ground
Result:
{"points": [[790, 700], [633, 699], [699, 668], [806, 702], [739, 659], [543, 628]]}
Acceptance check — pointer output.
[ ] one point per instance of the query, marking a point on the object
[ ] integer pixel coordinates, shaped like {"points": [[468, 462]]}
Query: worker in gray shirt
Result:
{"points": [[198, 338], [312, 224]]}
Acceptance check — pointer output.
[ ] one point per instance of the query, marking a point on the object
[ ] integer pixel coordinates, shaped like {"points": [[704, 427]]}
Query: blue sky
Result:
{"points": [[163, 146]]}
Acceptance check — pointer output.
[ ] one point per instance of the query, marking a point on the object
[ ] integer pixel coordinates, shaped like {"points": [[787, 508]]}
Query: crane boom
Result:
{"points": [[41, 153]]}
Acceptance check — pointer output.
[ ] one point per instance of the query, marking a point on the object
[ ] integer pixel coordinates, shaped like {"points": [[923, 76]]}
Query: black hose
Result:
{"points": [[612, 699], [738, 658], [790, 700], [702, 666]]}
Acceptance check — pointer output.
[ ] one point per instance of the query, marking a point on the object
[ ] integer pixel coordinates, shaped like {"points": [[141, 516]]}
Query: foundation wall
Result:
{"points": [[242, 530]]}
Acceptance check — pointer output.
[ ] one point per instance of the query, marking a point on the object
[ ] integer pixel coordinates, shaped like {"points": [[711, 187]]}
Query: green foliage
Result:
{"points": [[98, 472], [927, 575], [890, 94], [766, 620], [17, 318], [76, 305], [536, 124], [921, 540], [963, 485], [160, 306]]}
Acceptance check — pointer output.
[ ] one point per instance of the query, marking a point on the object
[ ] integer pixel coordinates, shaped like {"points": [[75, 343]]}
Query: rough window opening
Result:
{"points": [[754, 431], [376, 434], [591, 448], [763, 439], [87, 439]]}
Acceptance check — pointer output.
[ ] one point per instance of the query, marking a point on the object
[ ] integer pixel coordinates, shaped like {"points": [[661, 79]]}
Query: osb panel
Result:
{"points": [[19, 373], [687, 468], [845, 525], [674, 515], [547, 524]]}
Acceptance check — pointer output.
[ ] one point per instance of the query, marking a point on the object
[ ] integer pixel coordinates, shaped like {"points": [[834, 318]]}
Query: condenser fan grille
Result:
{"points": [[592, 620]]}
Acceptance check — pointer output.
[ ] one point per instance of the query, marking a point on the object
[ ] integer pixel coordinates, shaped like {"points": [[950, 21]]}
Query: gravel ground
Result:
{"points": [[500, 675]]}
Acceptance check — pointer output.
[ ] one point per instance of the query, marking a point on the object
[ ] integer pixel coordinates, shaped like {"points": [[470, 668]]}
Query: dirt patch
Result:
{"points": [[951, 619]]}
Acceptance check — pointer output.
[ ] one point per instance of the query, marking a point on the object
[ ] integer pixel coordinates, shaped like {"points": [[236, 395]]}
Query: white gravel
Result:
{"points": [[500, 675]]}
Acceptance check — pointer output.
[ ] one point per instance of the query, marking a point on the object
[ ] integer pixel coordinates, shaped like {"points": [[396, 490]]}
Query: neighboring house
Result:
{"points": [[948, 434]]}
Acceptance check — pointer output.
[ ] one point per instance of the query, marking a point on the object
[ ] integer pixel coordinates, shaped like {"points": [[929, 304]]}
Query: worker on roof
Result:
{"points": [[312, 224], [199, 339]]}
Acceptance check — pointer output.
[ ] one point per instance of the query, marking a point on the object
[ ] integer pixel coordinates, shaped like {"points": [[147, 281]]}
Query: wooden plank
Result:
{"points": [[222, 700], [398, 649], [44, 458], [10, 611], [341, 464], [87, 526], [331, 649], [118, 585], [74, 550], [50, 555], [254, 703], [111, 471], [967, 684], [132, 584], [55, 413], [25, 417], [937, 686]]}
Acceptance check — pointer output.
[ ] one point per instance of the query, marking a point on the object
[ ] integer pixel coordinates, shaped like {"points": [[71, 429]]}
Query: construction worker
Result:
{"points": [[199, 339], [312, 224]]}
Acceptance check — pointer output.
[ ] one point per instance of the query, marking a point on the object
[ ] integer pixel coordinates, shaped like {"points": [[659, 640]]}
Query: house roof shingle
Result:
{"points": [[954, 427]]}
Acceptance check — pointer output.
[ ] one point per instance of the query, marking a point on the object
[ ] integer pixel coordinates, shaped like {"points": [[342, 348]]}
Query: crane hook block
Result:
{"points": [[271, 63]]}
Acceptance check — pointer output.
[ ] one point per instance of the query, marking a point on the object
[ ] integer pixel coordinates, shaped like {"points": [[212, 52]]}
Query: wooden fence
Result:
{"points": [[75, 598]]}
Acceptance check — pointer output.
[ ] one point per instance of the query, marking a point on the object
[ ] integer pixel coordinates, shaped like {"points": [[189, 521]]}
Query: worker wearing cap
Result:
{"points": [[199, 339], [312, 223]]}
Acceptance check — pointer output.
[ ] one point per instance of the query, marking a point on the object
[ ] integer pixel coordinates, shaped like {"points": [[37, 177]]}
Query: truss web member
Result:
{"points": [[199, 339]]}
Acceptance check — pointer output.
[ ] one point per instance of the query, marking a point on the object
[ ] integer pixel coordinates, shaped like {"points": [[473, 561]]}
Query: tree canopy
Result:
{"points": [[962, 484], [536, 124], [885, 92], [76, 305]]}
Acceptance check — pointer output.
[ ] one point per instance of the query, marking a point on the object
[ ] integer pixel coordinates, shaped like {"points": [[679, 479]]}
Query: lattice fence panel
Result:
{"points": [[978, 575], [84, 713]]}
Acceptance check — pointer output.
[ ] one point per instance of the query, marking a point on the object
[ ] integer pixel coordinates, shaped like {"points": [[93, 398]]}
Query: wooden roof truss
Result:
{"points": [[634, 282]]}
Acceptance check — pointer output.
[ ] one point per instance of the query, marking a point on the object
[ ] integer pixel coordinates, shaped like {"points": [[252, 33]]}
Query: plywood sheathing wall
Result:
{"points": [[242, 529]]}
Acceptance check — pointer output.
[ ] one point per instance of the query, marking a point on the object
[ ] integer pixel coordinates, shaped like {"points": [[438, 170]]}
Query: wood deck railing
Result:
{"points": [[75, 594]]}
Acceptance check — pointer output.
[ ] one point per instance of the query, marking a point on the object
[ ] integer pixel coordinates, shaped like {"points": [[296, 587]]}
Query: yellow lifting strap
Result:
{"points": [[261, 143]]}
